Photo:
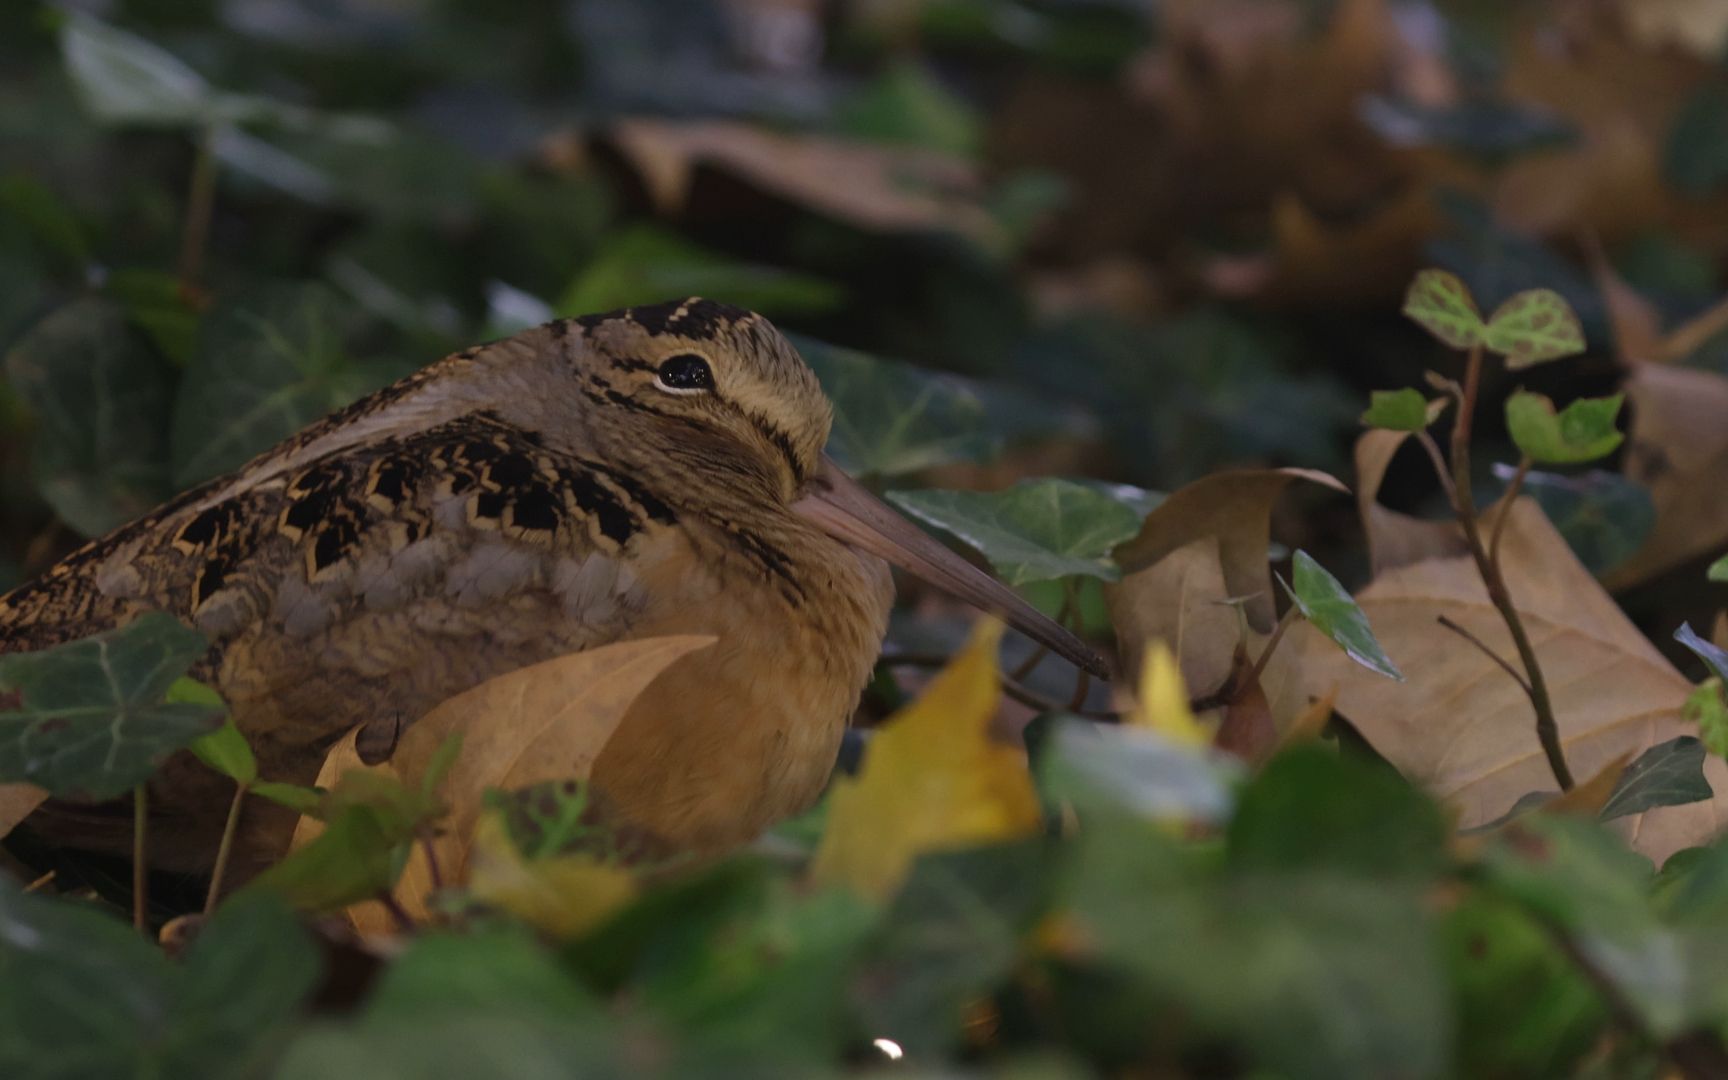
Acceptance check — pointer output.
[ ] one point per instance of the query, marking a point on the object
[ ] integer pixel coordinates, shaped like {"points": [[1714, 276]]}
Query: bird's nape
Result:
{"points": [[847, 511]]}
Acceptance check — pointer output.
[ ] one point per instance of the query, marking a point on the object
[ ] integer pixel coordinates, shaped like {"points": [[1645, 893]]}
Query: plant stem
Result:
{"points": [[1291, 614], [140, 872], [1547, 731], [200, 205], [1506, 502], [432, 868], [1433, 448], [224, 849], [1505, 665]]}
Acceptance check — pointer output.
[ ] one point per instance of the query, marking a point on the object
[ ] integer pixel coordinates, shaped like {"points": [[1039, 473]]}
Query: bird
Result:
{"points": [[650, 471]]}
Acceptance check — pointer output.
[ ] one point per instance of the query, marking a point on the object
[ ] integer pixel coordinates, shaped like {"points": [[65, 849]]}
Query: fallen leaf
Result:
{"points": [[1162, 702], [1678, 449], [1461, 727], [932, 780], [1588, 798], [17, 802], [885, 188], [562, 896], [547, 721], [1396, 539], [1217, 531]]}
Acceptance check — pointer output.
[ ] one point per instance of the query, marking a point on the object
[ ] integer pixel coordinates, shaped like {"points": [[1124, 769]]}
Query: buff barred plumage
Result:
{"points": [[540, 495]]}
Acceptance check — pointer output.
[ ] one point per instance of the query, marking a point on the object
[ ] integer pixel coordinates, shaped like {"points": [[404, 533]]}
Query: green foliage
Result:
{"points": [[1604, 517], [1707, 708], [93, 718], [97, 467], [1401, 410], [225, 749], [1324, 601], [1583, 431], [1037, 530], [81, 994], [1442, 305], [268, 362], [646, 265], [1718, 570], [1534, 326], [1667, 774]]}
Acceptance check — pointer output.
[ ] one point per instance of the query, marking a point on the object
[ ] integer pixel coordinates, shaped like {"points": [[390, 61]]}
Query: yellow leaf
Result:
{"points": [[1163, 700], [932, 780], [563, 897]]}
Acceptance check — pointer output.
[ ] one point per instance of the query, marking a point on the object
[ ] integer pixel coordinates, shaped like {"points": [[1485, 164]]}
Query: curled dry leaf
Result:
{"points": [[885, 188], [547, 721], [1396, 539], [1198, 556], [1462, 727], [1678, 449], [17, 801]]}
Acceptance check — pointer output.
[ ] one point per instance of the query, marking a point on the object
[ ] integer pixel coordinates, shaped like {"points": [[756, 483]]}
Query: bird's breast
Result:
{"points": [[739, 735]]}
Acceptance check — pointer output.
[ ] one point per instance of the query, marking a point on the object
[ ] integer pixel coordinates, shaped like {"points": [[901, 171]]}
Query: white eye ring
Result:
{"points": [[681, 391]]}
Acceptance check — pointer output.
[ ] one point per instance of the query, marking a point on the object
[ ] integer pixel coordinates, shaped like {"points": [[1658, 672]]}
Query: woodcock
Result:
{"points": [[657, 470]]}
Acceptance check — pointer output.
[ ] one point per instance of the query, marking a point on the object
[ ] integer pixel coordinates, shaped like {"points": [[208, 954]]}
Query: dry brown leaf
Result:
{"points": [[1464, 729], [1311, 722], [544, 722], [1199, 557], [886, 188], [1698, 25], [1633, 320], [547, 721], [1396, 539], [17, 802], [1248, 729], [1588, 799], [1678, 449]]}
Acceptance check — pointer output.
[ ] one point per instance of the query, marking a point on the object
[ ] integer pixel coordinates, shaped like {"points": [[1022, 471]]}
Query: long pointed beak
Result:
{"points": [[845, 510]]}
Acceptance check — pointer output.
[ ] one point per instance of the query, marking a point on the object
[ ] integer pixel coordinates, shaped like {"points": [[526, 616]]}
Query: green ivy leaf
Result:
{"points": [[1329, 606], [1715, 658], [1667, 774], [123, 79], [1706, 708], [1037, 530], [1718, 570], [1583, 431], [1534, 326], [359, 855], [225, 749], [906, 105], [98, 467], [1603, 516], [1441, 304], [82, 994], [91, 719], [268, 362], [1402, 410], [307, 801]]}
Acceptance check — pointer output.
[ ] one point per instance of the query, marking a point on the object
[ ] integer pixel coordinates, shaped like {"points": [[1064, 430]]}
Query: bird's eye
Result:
{"points": [[685, 373]]}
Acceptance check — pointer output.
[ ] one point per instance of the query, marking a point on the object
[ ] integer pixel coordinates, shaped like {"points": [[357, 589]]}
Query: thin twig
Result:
{"points": [[1547, 731], [41, 882], [1506, 502], [200, 205], [1505, 665], [1291, 614], [1426, 441], [224, 849], [140, 872], [433, 870], [398, 913]]}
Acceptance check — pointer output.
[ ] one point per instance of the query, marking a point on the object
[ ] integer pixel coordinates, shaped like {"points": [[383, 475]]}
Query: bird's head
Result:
{"points": [[714, 403], [714, 389]]}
